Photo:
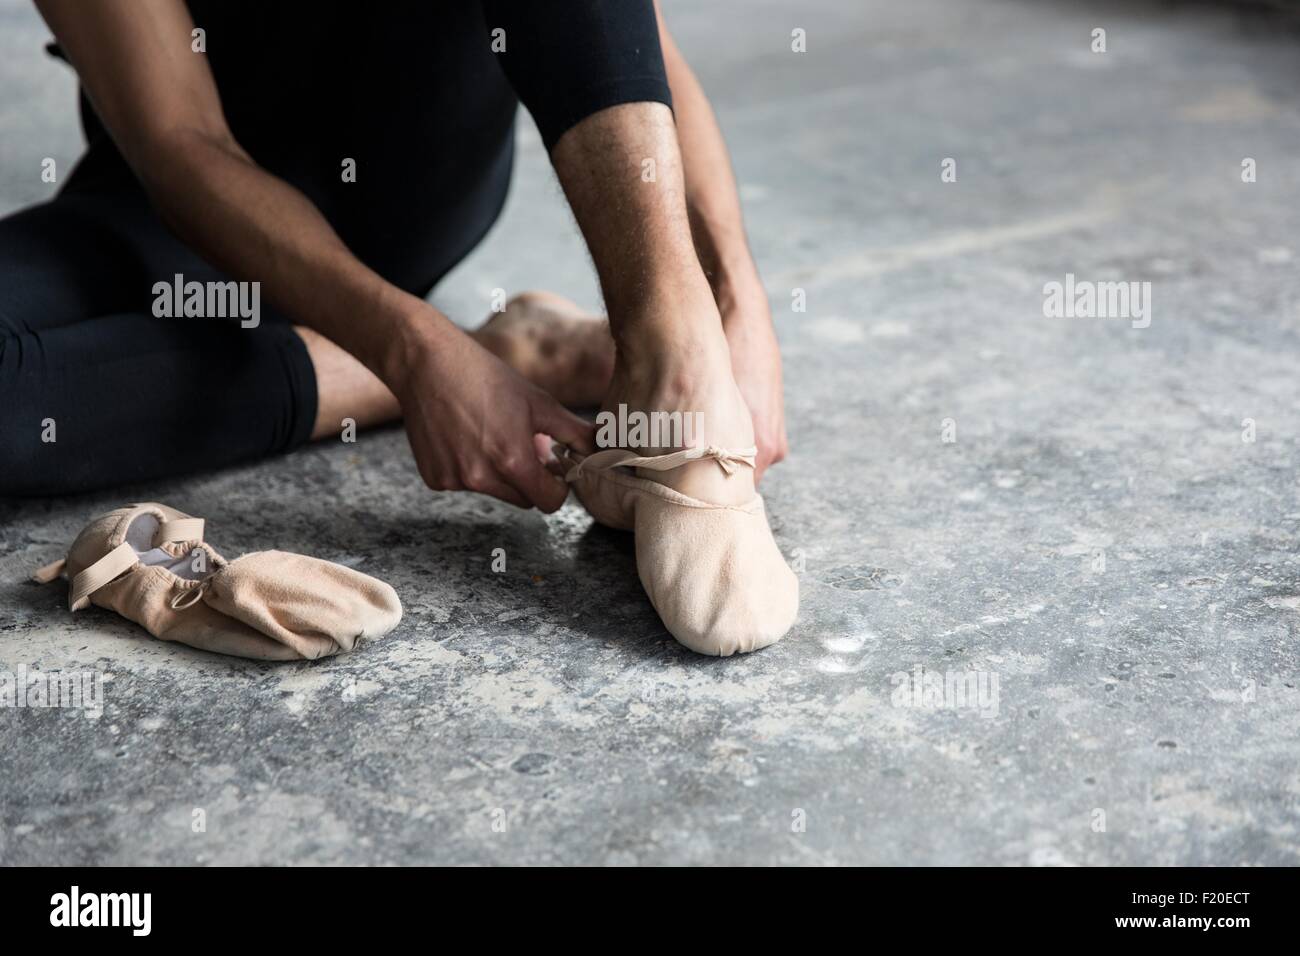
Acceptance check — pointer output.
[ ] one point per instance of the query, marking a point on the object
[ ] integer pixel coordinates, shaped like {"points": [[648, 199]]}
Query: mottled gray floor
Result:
{"points": [[1099, 537]]}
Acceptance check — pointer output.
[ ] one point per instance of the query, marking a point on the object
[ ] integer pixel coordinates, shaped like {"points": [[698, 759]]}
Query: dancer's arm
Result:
{"points": [[469, 418]]}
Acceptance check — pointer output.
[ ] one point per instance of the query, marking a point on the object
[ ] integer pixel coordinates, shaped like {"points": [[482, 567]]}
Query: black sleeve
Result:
{"points": [[568, 59]]}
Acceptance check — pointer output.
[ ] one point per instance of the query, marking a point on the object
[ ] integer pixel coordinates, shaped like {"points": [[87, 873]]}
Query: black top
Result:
{"points": [[409, 89]]}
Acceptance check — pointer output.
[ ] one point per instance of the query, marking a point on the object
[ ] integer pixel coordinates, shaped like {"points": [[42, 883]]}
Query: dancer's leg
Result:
{"points": [[715, 575], [671, 352], [130, 397], [95, 391], [592, 75]]}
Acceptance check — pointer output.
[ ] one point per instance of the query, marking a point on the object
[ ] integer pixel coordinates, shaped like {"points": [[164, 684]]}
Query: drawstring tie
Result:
{"points": [[727, 460], [189, 597]]}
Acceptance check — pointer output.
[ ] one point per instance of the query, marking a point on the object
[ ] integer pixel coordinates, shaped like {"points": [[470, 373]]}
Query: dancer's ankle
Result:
{"points": [[670, 329]]}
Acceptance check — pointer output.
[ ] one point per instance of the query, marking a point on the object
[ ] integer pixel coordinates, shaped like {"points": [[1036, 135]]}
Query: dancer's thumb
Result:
{"points": [[552, 418]]}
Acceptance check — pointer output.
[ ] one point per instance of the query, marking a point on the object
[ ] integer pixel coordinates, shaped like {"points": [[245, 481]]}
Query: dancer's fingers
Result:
{"points": [[552, 418]]}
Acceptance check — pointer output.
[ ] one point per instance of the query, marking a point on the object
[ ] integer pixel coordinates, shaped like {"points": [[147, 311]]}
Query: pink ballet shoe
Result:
{"points": [[713, 572], [149, 563]]}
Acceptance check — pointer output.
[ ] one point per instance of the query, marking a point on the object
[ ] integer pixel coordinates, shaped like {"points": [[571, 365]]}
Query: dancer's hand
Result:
{"points": [[471, 420], [756, 365]]}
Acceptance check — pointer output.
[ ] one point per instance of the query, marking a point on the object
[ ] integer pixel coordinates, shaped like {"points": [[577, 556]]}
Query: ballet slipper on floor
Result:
{"points": [[149, 563], [713, 572]]}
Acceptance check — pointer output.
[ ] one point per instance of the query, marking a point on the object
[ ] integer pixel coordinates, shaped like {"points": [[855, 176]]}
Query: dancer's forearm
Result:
{"points": [[255, 226]]}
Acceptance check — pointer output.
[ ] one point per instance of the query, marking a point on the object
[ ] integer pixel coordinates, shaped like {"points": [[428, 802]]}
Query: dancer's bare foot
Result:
{"points": [[553, 343]]}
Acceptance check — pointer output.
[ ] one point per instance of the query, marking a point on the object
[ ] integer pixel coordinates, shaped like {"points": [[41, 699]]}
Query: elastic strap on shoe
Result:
{"points": [[120, 559], [620, 458], [179, 529]]}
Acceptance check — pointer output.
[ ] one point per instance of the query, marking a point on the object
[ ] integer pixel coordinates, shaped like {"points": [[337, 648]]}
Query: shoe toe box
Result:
{"points": [[716, 576]]}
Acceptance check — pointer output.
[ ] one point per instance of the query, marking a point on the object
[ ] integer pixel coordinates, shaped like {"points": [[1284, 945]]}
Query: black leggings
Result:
{"points": [[95, 391]]}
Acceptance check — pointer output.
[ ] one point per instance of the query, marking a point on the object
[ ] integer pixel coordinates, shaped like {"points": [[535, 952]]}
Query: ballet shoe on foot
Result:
{"points": [[713, 572], [149, 563]]}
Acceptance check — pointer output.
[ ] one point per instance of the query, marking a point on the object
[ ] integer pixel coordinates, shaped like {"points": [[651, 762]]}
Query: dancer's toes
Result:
{"points": [[554, 344]]}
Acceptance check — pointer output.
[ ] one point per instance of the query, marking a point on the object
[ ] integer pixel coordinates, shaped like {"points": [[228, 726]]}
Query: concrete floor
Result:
{"points": [[1098, 538]]}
